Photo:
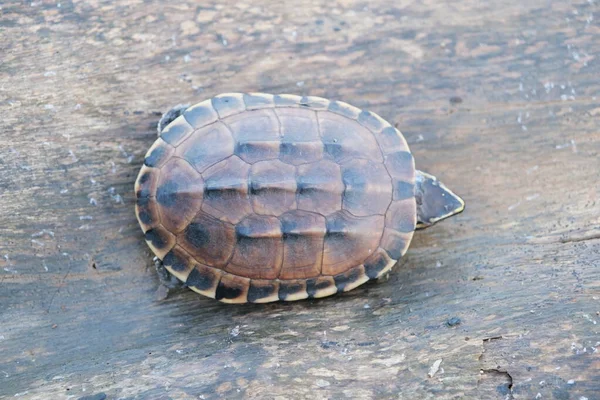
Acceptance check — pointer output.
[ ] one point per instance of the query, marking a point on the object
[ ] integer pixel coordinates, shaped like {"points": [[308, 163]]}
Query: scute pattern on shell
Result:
{"points": [[257, 197]]}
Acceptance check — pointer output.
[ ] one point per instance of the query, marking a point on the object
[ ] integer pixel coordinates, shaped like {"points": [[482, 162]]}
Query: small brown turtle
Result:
{"points": [[258, 198]]}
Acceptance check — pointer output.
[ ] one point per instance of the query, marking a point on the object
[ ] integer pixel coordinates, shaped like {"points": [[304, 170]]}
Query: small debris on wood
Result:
{"points": [[235, 331], [322, 383], [434, 368]]}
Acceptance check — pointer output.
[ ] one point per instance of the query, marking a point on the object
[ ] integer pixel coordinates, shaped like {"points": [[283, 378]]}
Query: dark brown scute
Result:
{"points": [[395, 243], [344, 109], [297, 153], [400, 165], [176, 260], [348, 241], [255, 101], [401, 216], [226, 190], [403, 190], [259, 249], [146, 183], [390, 141], [232, 289], [202, 280], [314, 102], [225, 291], [316, 285], [252, 128], [261, 290], [176, 131], [292, 289], [320, 187], [371, 121], [298, 125], [228, 104], [157, 237], [160, 240], [158, 154], [272, 187], [303, 234], [347, 278], [368, 189], [347, 140], [209, 240], [376, 263], [207, 146], [179, 194], [257, 150], [147, 213], [201, 114]]}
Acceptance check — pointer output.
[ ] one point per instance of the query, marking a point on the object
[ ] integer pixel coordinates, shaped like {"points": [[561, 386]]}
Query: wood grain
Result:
{"points": [[497, 99]]}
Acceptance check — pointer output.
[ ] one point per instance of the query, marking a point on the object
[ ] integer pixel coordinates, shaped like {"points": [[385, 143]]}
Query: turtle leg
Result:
{"points": [[170, 116], [168, 282]]}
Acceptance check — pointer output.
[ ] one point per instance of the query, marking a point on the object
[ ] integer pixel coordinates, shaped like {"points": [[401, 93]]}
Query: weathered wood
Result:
{"points": [[497, 99]]}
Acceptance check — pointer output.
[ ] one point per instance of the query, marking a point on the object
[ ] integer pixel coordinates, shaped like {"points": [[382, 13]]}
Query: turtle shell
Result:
{"points": [[259, 198]]}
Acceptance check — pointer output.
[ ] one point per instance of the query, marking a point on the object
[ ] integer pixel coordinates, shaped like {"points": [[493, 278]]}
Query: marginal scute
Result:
{"points": [[320, 187], [401, 166], [179, 263], [298, 125], [227, 104], [252, 151], [391, 141], [303, 234], [209, 240], [145, 184], [322, 286], [349, 241], [259, 250], [207, 146], [402, 190], [345, 109], [256, 134], [272, 187], [255, 101], [372, 121], [368, 188], [232, 289], [158, 154], [350, 279], [346, 140], [177, 131], [201, 114], [402, 216], [378, 263], [314, 102], [395, 243], [286, 100], [146, 211], [179, 194], [226, 190], [263, 291], [204, 280], [160, 240], [292, 290]]}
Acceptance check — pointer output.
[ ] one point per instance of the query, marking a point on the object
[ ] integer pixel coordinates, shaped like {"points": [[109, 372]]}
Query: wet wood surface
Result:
{"points": [[498, 99]]}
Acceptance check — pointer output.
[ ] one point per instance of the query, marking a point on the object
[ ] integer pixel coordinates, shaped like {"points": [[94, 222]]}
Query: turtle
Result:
{"points": [[255, 198]]}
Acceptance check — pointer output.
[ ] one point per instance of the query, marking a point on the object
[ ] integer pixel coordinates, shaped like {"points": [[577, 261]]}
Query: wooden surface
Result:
{"points": [[498, 99]]}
